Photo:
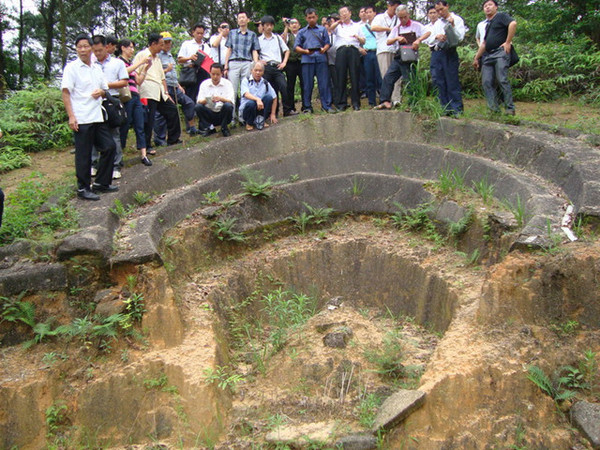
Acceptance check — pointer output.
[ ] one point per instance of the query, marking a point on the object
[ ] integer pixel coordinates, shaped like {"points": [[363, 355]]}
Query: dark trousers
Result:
{"points": [[187, 105], [333, 82], [309, 70], [277, 79], [136, 117], [372, 76], [444, 73], [207, 117], [293, 70], [96, 135], [494, 74], [167, 109], [1, 205], [397, 69], [250, 110], [347, 62]]}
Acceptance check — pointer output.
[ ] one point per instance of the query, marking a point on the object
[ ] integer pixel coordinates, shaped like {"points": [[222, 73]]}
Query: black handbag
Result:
{"points": [[114, 112], [187, 76]]}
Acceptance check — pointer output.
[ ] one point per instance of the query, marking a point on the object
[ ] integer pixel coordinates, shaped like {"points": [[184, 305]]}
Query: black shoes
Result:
{"points": [[208, 132], [86, 194], [104, 188], [192, 131], [290, 113], [146, 161], [226, 132], [356, 108]]}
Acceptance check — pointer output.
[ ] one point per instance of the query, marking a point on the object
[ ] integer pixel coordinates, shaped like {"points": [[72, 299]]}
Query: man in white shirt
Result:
{"points": [[188, 56], [83, 86], [214, 105], [117, 77], [382, 26], [349, 37], [218, 49], [274, 54], [448, 30]]}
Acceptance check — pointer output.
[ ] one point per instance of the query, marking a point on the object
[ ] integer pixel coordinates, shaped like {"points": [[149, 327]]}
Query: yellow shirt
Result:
{"points": [[152, 87]]}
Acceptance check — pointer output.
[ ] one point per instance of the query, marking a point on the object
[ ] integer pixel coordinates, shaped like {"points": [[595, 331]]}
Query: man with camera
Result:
{"points": [[382, 27], [192, 54]]}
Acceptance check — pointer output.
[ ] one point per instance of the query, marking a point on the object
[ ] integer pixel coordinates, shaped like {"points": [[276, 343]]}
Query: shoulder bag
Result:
{"points": [[114, 112]]}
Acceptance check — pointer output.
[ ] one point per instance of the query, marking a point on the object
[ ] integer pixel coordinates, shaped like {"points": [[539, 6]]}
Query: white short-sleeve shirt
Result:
{"points": [[81, 80], [114, 70]]}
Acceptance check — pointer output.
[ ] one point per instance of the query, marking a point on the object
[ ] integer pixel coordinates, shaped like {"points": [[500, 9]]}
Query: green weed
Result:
{"points": [[555, 390], [367, 409], [141, 198], [418, 219], [223, 230], [358, 187], [212, 197], [450, 181], [222, 377], [484, 189], [518, 209], [256, 184], [388, 358]]}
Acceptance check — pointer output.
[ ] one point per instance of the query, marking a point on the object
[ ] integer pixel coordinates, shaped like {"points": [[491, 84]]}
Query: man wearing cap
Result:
{"points": [[274, 54], [214, 105], [175, 91], [382, 26]]}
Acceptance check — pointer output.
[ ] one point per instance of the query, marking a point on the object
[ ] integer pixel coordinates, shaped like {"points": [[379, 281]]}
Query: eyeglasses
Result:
{"points": [[224, 26]]}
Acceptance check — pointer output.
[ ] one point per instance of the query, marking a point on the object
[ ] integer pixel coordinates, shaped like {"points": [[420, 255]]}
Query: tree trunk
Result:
{"points": [[48, 14], [20, 44]]}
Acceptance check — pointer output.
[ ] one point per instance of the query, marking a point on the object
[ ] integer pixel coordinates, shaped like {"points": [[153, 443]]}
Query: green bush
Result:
{"points": [[33, 120]]}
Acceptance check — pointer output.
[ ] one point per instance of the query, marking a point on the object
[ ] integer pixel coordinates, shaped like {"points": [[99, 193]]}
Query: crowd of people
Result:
{"points": [[249, 77]]}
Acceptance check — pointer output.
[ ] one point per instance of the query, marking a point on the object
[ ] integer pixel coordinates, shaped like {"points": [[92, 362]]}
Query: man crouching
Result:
{"points": [[259, 100], [214, 105]]}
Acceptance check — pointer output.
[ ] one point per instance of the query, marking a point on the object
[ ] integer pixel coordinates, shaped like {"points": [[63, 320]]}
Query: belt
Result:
{"points": [[374, 50], [272, 63], [494, 51], [240, 59], [347, 46]]}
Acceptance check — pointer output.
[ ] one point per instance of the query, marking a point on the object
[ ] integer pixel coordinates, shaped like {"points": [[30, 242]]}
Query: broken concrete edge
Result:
{"points": [[390, 414], [32, 278], [586, 418]]}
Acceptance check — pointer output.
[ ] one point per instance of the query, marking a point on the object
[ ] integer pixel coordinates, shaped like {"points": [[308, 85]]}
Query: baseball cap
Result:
{"points": [[166, 36]]}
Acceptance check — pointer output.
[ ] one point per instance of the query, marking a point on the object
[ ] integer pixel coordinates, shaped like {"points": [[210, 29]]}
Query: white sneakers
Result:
{"points": [[116, 174]]}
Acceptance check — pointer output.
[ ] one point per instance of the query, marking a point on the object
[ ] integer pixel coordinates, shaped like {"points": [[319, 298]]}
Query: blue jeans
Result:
{"points": [[250, 110], [494, 73], [372, 76], [136, 116], [444, 72], [309, 70]]}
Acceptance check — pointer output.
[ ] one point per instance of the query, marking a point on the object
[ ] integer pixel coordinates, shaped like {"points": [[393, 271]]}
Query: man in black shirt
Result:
{"points": [[493, 56]]}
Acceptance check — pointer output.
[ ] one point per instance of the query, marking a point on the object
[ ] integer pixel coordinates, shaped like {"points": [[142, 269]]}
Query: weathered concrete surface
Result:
{"points": [[396, 408], [586, 417], [357, 442], [32, 277]]}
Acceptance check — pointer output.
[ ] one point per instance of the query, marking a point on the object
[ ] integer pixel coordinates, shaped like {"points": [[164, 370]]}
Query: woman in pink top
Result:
{"points": [[134, 107]]}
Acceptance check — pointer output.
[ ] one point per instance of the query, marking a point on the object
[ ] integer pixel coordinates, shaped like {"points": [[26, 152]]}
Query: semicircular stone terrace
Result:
{"points": [[394, 152]]}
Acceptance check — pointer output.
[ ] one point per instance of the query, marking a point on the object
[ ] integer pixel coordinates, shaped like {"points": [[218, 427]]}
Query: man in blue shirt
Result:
{"points": [[259, 99], [312, 43]]}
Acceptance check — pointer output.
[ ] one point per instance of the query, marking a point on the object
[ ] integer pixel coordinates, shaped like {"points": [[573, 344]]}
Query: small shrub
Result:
{"points": [[255, 184], [141, 198], [223, 230], [222, 377], [211, 197], [555, 390]]}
